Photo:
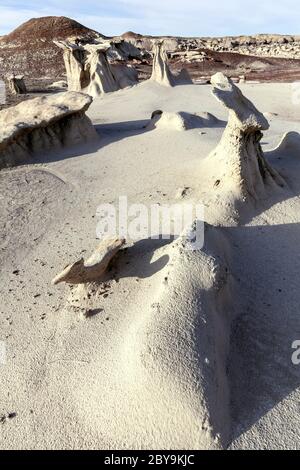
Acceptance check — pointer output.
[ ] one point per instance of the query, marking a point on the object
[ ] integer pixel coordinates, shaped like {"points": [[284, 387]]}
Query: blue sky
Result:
{"points": [[174, 17]]}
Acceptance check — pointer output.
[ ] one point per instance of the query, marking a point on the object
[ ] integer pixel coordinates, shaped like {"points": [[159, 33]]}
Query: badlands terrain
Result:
{"points": [[30, 50], [147, 344]]}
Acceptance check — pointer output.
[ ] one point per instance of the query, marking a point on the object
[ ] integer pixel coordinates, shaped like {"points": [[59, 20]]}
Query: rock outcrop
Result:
{"points": [[89, 70], [194, 49], [121, 50], [42, 125], [30, 50], [160, 71], [261, 45], [94, 268], [16, 84], [241, 168]]}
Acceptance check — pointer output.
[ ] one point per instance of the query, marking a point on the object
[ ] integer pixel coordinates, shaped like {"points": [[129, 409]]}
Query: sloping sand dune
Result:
{"points": [[177, 348]]}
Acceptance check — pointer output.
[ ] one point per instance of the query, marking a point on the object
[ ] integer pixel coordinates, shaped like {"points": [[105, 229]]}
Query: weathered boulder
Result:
{"points": [[43, 124]]}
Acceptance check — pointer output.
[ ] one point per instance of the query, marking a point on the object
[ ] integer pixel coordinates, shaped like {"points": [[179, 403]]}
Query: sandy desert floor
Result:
{"points": [[132, 375]]}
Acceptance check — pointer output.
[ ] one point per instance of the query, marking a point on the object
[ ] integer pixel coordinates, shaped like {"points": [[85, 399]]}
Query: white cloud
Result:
{"points": [[178, 17]]}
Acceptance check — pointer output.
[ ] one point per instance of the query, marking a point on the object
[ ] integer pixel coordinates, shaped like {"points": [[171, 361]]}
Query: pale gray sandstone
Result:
{"points": [[40, 125], [160, 70], [94, 268], [89, 70], [241, 168]]}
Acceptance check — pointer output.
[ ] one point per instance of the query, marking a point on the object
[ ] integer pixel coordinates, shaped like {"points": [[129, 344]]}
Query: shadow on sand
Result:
{"points": [[136, 261], [266, 265], [114, 132]]}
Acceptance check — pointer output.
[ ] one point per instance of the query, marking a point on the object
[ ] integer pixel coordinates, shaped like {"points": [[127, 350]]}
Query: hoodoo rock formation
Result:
{"points": [[89, 70], [160, 71], [242, 169], [16, 84], [43, 124], [94, 268]]}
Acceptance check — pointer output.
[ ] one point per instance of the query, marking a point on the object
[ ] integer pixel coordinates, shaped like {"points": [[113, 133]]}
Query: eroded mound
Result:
{"points": [[180, 349], [181, 121], [170, 359], [288, 146]]}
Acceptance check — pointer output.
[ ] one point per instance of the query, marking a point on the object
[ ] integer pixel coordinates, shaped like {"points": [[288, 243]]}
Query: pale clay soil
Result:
{"points": [[134, 375]]}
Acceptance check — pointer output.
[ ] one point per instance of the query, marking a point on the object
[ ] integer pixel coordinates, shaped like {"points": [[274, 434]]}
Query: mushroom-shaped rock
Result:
{"points": [[238, 157], [78, 77], [160, 71], [44, 124], [17, 85], [94, 268], [101, 77]]}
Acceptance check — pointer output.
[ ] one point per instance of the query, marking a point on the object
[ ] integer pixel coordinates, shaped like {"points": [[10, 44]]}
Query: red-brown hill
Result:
{"points": [[29, 49]]}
